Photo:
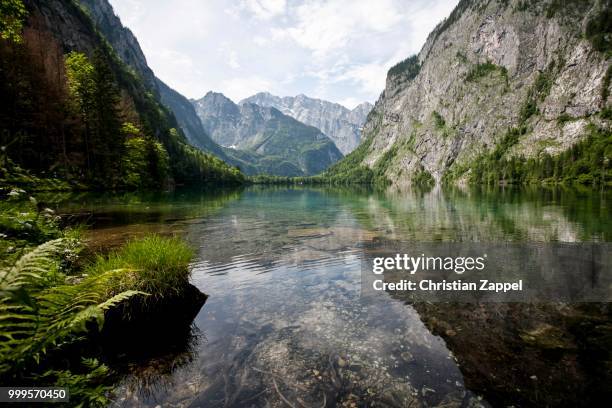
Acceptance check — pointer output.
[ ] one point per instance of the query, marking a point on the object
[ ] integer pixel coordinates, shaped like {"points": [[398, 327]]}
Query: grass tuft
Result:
{"points": [[155, 265]]}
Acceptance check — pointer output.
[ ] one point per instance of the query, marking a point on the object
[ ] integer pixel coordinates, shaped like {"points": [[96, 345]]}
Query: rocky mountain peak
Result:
{"points": [[337, 122], [492, 68]]}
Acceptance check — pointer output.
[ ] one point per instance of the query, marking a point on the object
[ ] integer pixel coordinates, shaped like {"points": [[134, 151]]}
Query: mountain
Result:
{"points": [[128, 49], [501, 92], [80, 105], [121, 38], [341, 125], [266, 138], [188, 119]]}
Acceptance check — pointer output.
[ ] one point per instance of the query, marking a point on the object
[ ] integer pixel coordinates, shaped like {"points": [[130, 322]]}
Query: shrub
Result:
{"points": [[480, 70], [423, 179], [438, 120]]}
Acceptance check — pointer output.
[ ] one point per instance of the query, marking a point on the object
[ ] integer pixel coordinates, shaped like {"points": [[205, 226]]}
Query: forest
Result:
{"points": [[72, 119]]}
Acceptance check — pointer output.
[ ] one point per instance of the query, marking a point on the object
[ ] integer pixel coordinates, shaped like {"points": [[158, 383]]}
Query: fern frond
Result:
{"points": [[33, 265]]}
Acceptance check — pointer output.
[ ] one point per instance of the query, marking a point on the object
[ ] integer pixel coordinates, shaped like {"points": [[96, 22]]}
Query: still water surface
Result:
{"points": [[285, 323]]}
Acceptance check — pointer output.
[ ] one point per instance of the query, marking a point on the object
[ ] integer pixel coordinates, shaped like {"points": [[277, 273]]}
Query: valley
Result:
{"points": [[193, 194]]}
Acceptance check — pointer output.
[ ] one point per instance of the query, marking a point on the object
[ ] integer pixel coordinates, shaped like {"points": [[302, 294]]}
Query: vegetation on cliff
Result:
{"points": [[82, 116]]}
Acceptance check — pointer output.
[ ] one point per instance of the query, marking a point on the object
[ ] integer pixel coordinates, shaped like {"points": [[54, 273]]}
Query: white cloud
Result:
{"points": [[323, 26], [264, 9], [371, 77], [338, 50], [233, 60], [350, 102], [241, 87]]}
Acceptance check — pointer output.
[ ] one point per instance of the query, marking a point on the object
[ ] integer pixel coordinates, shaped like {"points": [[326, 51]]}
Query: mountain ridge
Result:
{"points": [[340, 124], [499, 89], [266, 133]]}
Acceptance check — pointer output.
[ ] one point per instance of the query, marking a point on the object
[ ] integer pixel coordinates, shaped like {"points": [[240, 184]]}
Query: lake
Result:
{"points": [[286, 324]]}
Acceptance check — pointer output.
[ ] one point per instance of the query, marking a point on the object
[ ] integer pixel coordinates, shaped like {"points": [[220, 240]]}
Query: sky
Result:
{"points": [[337, 50]]}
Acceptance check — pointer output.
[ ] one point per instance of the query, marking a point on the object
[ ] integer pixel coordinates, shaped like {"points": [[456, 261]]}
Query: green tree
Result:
{"points": [[12, 15]]}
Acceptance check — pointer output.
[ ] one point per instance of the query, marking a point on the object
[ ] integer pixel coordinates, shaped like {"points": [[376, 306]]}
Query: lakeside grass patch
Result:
{"points": [[50, 301], [155, 265]]}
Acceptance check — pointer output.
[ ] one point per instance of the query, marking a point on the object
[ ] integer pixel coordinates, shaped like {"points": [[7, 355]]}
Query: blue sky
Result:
{"points": [[339, 50]]}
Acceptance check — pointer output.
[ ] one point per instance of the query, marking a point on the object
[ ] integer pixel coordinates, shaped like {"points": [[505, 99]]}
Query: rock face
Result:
{"points": [[128, 49], [271, 141], [341, 125], [188, 119], [121, 38], [491, 66]]}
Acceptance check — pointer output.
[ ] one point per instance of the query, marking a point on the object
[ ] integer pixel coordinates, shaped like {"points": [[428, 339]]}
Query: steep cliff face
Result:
{"points": [[341, 125], [220, 117], [265, 138], [128, 49], [121, 38], [541, 68], [188, 119]]}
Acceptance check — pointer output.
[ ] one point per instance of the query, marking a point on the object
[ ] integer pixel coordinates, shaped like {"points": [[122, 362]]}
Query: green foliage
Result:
{"points": [[438, 120], [351, 169], [461, 57], [410, 68], [457, 12], [382, 165], [40, 311], [145, 163], [12, 16], [567, 7], [155, 265], [564, 118], [62, 117], [599, 29], [93, 86], [47, 302], [196, 167], [88, 387], [587, 162], [479, 71], [423, 179], [523, 5], [537, 93]]}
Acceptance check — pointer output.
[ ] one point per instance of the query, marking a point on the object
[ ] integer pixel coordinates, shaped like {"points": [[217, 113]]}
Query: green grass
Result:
{"points": [[155, 265], [49, 301]]}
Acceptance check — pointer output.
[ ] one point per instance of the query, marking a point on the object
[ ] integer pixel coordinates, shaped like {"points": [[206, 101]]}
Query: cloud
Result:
{"points": [[264, 9], [350, 102], [370, 77], [323, 26], [239, 88], [233, 60], [338, 50]]}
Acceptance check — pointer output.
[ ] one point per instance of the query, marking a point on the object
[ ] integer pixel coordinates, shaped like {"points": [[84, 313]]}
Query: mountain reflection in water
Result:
{"points": [[286, 325]]}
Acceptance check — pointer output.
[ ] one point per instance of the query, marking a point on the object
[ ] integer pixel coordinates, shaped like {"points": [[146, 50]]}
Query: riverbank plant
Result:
{"points": [[51, 299]]}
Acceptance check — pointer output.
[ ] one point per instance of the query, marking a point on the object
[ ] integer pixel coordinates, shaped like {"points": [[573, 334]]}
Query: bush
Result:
{"points": [[438, 120], [423, 179]]}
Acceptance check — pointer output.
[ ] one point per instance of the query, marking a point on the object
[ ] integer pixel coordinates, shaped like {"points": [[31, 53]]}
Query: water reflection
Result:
{"points": [[285, 323]]}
